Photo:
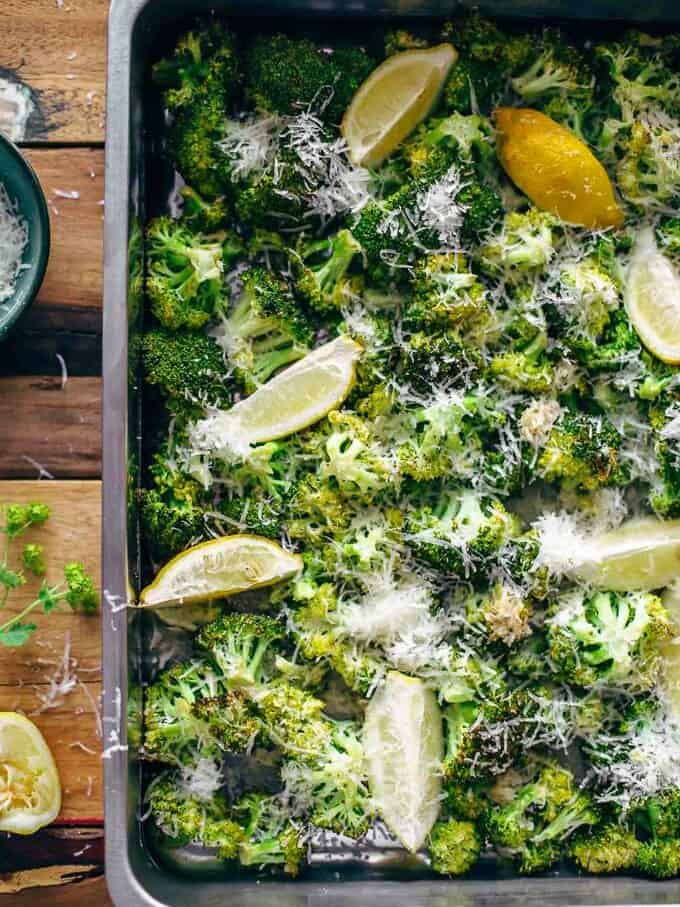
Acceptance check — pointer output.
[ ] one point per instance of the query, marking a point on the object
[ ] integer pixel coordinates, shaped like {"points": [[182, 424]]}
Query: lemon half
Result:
{"points": [[641, 555], [652, 299], [404, 747], [396, 96], [295, 398], [220, 568], [30, 792], [669, 681], [555, 169]]}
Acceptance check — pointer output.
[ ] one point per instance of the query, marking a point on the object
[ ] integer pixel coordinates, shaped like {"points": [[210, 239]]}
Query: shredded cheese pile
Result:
{"points": [[13, 241]]}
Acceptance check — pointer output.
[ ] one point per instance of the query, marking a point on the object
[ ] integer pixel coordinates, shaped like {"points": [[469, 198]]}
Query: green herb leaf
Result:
{"points": [[10, 579], [17, 635], [49, 597]]}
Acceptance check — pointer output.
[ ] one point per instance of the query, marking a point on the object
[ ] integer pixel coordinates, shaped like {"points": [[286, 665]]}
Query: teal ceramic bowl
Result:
{"points": [[24, 189]]}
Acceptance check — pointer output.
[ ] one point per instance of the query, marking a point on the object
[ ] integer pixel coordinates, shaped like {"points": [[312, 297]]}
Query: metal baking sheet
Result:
{"points": [[139, 32]]}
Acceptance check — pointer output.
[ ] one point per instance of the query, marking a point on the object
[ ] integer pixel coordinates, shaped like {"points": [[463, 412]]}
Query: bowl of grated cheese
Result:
{"points": [[24, 235]]}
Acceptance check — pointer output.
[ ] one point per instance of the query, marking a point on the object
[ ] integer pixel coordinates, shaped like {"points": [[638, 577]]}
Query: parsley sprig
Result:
{"points": [[76, 589]]}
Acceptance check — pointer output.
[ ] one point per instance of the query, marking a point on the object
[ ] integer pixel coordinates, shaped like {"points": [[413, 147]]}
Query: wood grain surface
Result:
{"points": [[58, 49], [58, 427], [54, 52], [72, 727], [72, 288], [86, 893]]}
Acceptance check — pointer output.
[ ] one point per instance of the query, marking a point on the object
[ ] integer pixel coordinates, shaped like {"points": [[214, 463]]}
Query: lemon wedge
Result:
{"points": [[404, 747], [295, 398], [217, 569], [641, 555], [652, 299], [396, 96], [670, 651], [555, 169], [30, 792]]}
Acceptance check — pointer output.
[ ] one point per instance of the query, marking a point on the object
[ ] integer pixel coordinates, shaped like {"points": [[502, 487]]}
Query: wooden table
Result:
{"points": [[58, 49]]}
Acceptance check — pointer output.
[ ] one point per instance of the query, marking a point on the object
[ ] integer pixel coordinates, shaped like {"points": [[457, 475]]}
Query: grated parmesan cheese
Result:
{"points": [[439, 210], [13, 240], [561, 543], [202, 779], [62, 682]]}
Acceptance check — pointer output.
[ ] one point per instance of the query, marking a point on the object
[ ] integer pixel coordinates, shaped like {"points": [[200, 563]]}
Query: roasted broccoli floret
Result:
{"points": [[659, 815], [317, 510], [264, 331], [640, 77], [609, 637], [612, 848], [503, 614], [186, 818], [582, 451], [471, 85], [578, 112], [659, 859], [439, 359], [203, 58], [441, 205], [668, 236], [442, 439], [188, 368], [445, 293], [400, 39], [260, 512], [242, 646], [184, 274], [454, 847], [272, 836], [532, 808], [199, 82], [524, 367], [486, 41], [616, 347], [171, 508], [293, 719], [524, 246], [585, 295], [556, 68], [173, 730], [208, 216], [461, 533], [332, 779], [272, 200], [322, 267], [440, 143], [648, 172], [231, 720], [543, 814], [287, 75], [353, 459]]}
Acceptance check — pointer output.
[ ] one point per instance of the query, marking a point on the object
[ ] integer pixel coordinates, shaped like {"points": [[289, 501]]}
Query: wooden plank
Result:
{"points": [[36, 352], [52, 846], [87, 893], [57, 878], [57, 48], [70, 298], [72, 727], [57, 427], [71, 733], [72, 533]]}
